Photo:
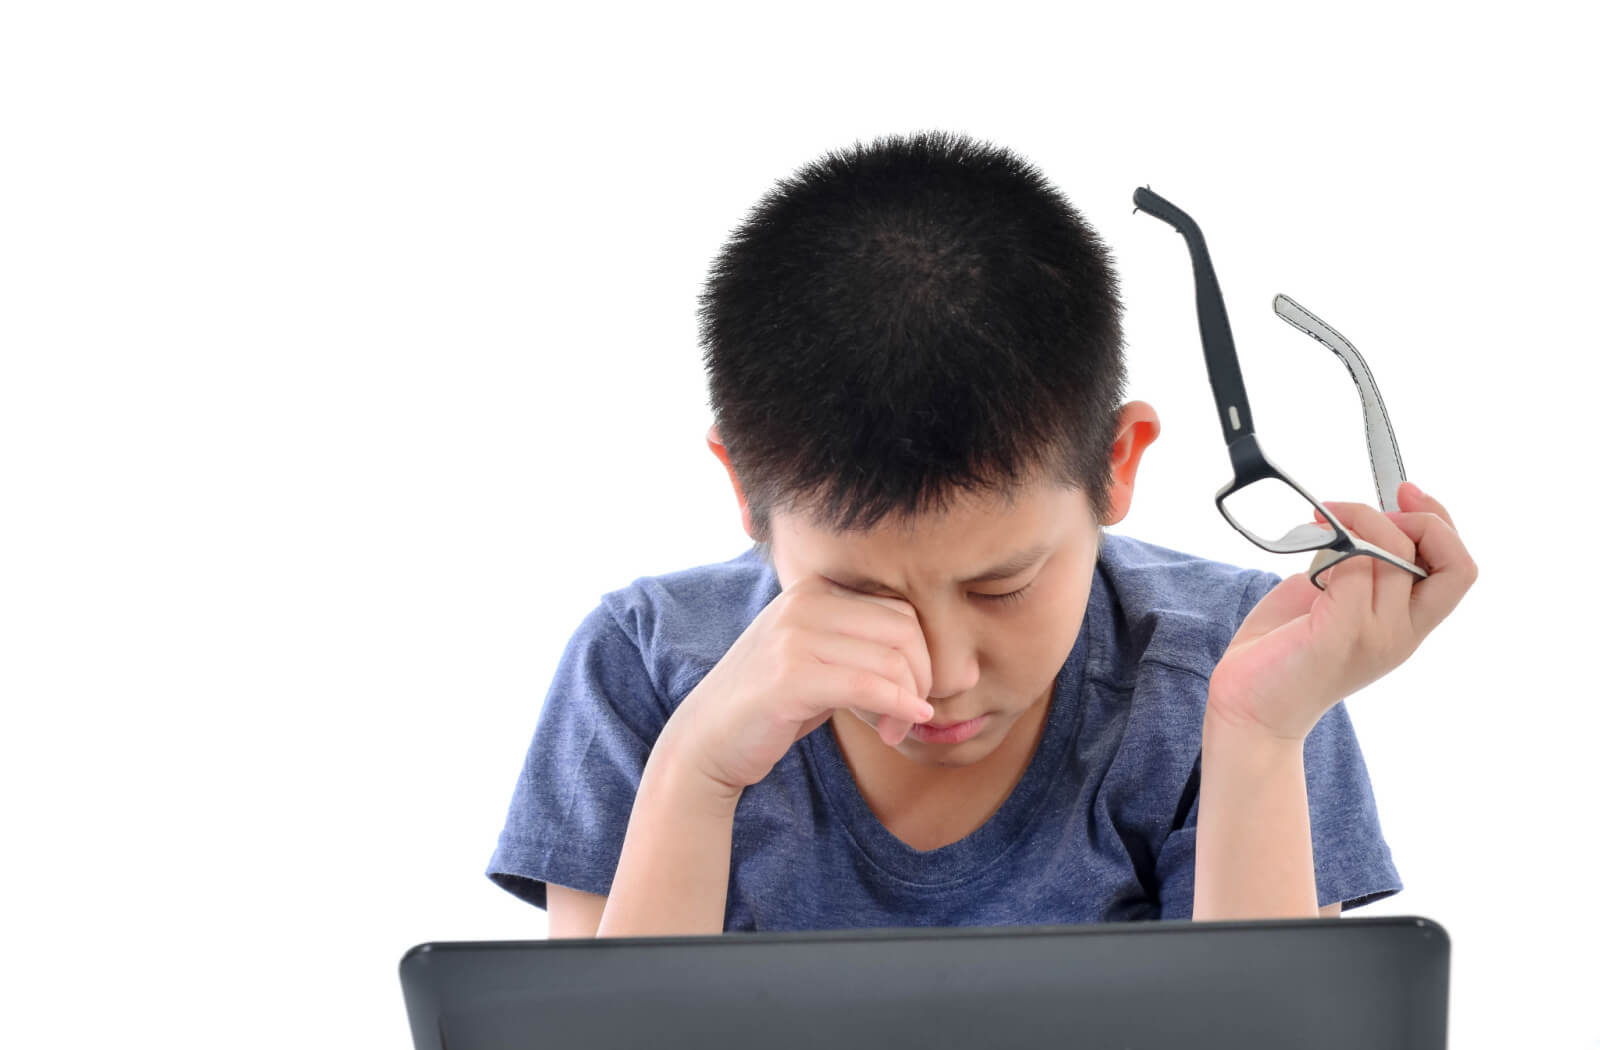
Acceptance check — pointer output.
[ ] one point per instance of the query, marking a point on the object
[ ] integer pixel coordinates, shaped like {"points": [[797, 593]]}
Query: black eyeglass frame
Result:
{"points": [[1250, 463]]}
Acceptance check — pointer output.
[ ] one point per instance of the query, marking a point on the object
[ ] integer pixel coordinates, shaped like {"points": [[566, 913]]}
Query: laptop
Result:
{"points": [[1308, 983]]}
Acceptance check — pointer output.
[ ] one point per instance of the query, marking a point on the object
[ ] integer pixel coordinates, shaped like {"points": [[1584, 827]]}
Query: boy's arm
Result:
{"points": [[1297, 654], [1253, 842], [672, 876], [573, 913]]}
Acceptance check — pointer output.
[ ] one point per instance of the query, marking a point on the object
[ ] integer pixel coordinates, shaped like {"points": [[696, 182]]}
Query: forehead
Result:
{"points": [[1014, 507], [976, 538]]}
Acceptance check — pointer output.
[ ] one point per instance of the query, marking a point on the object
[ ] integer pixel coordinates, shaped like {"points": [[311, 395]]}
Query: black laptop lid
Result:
{"points": [[1335, 983]]}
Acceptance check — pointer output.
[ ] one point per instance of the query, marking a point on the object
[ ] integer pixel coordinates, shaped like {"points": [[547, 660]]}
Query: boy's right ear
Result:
{"points": [[720, 450]]}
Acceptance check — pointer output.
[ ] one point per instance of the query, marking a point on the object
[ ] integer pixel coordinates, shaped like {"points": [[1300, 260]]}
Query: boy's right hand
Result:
{"points": [[816, 648]]}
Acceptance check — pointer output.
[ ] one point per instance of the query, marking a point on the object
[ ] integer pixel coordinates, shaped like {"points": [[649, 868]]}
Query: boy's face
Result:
{"points": [[990, 658]]}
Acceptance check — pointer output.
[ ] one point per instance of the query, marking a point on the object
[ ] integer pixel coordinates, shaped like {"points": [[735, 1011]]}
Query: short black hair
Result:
{"points": [[898, 322]]}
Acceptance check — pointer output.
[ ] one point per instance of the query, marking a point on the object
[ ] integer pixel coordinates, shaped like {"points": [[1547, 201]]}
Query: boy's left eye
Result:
{"points": [[1011, 596]]}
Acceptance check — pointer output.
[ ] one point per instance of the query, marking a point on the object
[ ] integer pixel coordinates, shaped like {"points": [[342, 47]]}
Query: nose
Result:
{"points": [[953, 661]]}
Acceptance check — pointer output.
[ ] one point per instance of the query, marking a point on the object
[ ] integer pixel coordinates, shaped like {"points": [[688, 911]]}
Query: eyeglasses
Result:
{"points": [[1280, 500]]}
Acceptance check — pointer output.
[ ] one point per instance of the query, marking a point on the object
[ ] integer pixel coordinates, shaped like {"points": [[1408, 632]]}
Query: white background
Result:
{"points": [[350, 355]]}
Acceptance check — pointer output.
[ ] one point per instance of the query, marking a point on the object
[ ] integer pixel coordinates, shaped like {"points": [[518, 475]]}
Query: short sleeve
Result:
{"points": [[1350, 856], [569, 812]]}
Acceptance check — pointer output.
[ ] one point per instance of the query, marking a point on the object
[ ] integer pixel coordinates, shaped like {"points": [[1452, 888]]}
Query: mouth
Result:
{"points": [[948, 732]]}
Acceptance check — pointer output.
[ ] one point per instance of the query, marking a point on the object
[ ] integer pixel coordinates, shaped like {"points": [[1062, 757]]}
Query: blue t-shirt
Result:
{"points": [[1101, 827]]}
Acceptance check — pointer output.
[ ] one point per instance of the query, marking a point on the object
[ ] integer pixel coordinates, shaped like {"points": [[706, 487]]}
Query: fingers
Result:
{"points": [[887, 696], [1412, 498], [884, 661], [863, 691], [858, 617], [1434, 545], [1290, 599], [892, 730], [1451, 570], [1375, 586]]}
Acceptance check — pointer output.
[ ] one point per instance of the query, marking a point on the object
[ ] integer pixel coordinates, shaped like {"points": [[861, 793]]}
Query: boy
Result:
{"points": [[935, 692]]}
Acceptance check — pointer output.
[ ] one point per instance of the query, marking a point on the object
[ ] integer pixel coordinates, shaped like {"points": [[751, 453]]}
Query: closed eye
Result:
{"points": [[1011, 596]]}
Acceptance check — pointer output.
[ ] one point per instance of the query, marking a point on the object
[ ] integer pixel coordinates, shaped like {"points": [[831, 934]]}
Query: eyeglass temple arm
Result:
{"points": [[1382, 449], [1222, 361]]}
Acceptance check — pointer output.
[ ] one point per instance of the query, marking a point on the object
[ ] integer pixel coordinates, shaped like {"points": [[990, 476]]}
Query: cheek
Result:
{"points": [[1018, 642], [1045, 631]]}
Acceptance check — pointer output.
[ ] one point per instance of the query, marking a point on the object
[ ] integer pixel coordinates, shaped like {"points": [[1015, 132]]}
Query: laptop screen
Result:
{"points": [[1349, 982]]}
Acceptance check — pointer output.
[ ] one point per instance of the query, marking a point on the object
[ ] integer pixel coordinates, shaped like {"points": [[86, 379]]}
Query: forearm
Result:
{"points": [[672, 876], [1253, 844]]}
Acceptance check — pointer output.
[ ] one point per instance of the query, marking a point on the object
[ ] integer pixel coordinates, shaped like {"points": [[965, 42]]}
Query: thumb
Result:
{"points": [[1291, 598]]}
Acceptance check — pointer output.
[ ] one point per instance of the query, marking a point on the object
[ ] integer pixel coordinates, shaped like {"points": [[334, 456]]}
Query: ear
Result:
{"points": [[718, 449], [1138, 427]]}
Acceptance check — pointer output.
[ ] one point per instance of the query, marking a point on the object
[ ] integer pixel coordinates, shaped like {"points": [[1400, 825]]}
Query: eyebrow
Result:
{"points": [[1010, 567]]}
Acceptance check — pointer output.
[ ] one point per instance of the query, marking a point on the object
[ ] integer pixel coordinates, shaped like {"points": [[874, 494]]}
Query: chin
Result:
{"points": [[968, 753]]}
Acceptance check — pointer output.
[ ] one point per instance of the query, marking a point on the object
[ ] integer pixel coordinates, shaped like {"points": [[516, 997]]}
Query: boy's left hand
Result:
{"points": [[1301, 650]]}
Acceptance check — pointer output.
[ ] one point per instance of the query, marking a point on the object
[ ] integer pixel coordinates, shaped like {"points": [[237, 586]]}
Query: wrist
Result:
{"points": [[672, 765], [1227, 721], [1246, 751]]}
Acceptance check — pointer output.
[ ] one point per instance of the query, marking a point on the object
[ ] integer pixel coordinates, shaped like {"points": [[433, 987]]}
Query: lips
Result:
{"points": [[949, 732]]}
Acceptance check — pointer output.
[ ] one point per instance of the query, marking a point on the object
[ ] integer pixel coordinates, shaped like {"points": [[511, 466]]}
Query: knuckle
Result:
{"points": [[1349, 640], [1387, 646], [891, 664], [786, 664], [780, 616], [786, 641], [1372, 632], [862, 683]]}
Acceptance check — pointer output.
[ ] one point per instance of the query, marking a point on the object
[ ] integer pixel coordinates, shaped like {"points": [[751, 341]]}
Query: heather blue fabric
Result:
{"points": [[1101, 826]]}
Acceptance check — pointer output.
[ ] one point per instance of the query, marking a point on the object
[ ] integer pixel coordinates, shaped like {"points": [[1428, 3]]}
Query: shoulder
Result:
{"points": [[683, 622], [1172, 608]]}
